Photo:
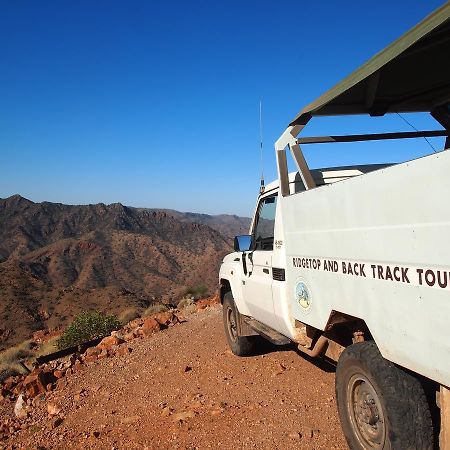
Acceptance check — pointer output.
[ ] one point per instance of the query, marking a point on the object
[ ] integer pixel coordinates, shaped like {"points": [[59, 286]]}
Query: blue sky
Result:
{"points": [[156, 104]]}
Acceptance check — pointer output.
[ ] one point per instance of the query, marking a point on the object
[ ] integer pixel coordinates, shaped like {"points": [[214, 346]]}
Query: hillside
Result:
{"points": [[225, 224], [57, 260]]}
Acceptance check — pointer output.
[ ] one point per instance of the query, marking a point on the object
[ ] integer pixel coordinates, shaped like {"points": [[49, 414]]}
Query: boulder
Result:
{"points": [[58, 373], [165, 318], [150, 326], [123, 350], [135, 323], [129, 336], [108, 342], [35, 384], [206, 302], [103, 354]]}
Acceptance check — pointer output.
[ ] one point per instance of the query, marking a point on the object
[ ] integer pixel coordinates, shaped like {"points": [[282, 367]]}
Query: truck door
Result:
{"points": [[257, 285]]}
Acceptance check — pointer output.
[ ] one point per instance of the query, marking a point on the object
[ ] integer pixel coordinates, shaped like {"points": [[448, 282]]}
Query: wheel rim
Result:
{"points": [[231, 324], [366, 412]]}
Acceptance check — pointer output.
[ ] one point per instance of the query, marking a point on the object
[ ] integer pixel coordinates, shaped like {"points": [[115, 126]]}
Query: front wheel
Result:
{"points": [[381, 406], [239, 345]]}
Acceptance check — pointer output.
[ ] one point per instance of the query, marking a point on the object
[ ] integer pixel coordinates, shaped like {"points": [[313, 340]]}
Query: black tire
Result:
{"points": [[380, 406], [239, 345]]}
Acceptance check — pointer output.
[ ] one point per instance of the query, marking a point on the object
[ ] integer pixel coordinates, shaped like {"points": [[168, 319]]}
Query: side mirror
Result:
{"points": [[242, 243]]}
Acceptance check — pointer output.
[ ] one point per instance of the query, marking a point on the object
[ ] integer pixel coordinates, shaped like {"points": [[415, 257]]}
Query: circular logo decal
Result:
{"points": [[302, 295]]}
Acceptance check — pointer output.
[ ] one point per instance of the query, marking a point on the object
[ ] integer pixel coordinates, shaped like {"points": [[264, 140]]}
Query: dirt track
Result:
{"points": [[183, 389]]}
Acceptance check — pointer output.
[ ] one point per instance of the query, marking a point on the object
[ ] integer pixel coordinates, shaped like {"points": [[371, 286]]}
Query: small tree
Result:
{"points": [[87, 326]]}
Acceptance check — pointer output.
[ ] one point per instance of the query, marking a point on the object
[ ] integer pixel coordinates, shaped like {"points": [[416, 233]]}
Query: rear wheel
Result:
{"points": [[381, 406], [239, 345]]}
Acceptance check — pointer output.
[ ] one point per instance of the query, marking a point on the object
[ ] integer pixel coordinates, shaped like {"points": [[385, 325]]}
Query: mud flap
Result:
{"points": [[444, 400]]}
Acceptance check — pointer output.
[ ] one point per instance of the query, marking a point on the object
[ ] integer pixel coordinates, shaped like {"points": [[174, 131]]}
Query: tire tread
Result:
{"points": [[408, 413]]}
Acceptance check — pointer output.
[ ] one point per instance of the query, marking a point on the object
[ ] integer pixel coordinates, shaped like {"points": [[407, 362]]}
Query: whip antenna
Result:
{"points": [[261, 187]]}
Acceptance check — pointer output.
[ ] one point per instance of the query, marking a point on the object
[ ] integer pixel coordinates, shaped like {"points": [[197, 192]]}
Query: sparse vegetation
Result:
{"points": [[47, 347], [129, 314], [87, 326], [187, 305], [154, 309], [197, 291], [184, 303], [9, 359]]}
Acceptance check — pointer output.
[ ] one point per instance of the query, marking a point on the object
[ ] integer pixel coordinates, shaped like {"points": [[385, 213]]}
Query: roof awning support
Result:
{"points": [[371, 137], [287, 139], [442, 115], [302, 166]]}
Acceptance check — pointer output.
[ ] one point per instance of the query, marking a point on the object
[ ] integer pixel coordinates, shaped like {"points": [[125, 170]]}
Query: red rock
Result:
{"points": [[123, 351], [78, 366], [164, 318], [58, 373], [18, 388], [136, 323], [117, 334], [55, 422], [150, 326], [90, 358], [180, 317], [108, 342], [92, 351], [35, 384], [103, 354], [206, 302], [39, 335], [53, 408], [9, 383], [139, 333], [129, 336]]}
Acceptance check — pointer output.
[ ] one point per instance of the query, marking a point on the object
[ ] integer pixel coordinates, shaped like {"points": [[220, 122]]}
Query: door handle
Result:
{"points": [[266, 271]]}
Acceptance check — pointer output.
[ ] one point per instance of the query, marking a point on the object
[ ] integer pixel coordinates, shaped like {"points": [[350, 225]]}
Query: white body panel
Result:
{"points": [[397, 218]]}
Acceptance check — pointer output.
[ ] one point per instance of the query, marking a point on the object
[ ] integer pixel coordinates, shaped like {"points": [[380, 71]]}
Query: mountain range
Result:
{"points": [[58, 260]]}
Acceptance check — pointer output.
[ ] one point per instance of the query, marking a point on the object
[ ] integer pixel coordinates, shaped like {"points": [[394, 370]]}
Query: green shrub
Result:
{"points": [[198, 291], [87, 326]]}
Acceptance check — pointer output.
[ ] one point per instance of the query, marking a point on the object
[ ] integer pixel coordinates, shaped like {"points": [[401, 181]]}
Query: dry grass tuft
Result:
{"points": [[9, 359], [154, 309], [187, 305], [184, 303], [47, 347], [129, 314], [26, 352]]}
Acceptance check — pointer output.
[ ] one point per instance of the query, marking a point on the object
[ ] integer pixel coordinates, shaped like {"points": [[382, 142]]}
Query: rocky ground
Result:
{"points": [[182, 388]]}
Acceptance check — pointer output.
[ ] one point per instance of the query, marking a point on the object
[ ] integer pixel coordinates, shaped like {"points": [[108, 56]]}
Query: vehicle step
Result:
{"points": [[267, 332]]}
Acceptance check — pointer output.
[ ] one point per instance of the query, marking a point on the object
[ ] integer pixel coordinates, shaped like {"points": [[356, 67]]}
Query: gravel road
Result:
{"points": [[183, 389]]}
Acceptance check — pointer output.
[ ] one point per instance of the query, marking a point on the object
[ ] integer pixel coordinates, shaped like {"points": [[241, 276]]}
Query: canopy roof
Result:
{"points": [[410, 75]]}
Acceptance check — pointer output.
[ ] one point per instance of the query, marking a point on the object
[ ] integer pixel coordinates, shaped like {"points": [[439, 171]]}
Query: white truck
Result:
{"points": [[352, 264]]}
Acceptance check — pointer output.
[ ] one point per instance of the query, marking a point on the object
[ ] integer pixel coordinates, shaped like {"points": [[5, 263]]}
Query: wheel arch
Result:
{"points": [[224, 287]]}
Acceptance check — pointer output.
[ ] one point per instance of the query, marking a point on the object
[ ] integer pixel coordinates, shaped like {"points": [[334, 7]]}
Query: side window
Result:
{"points": [[265, 224]]}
